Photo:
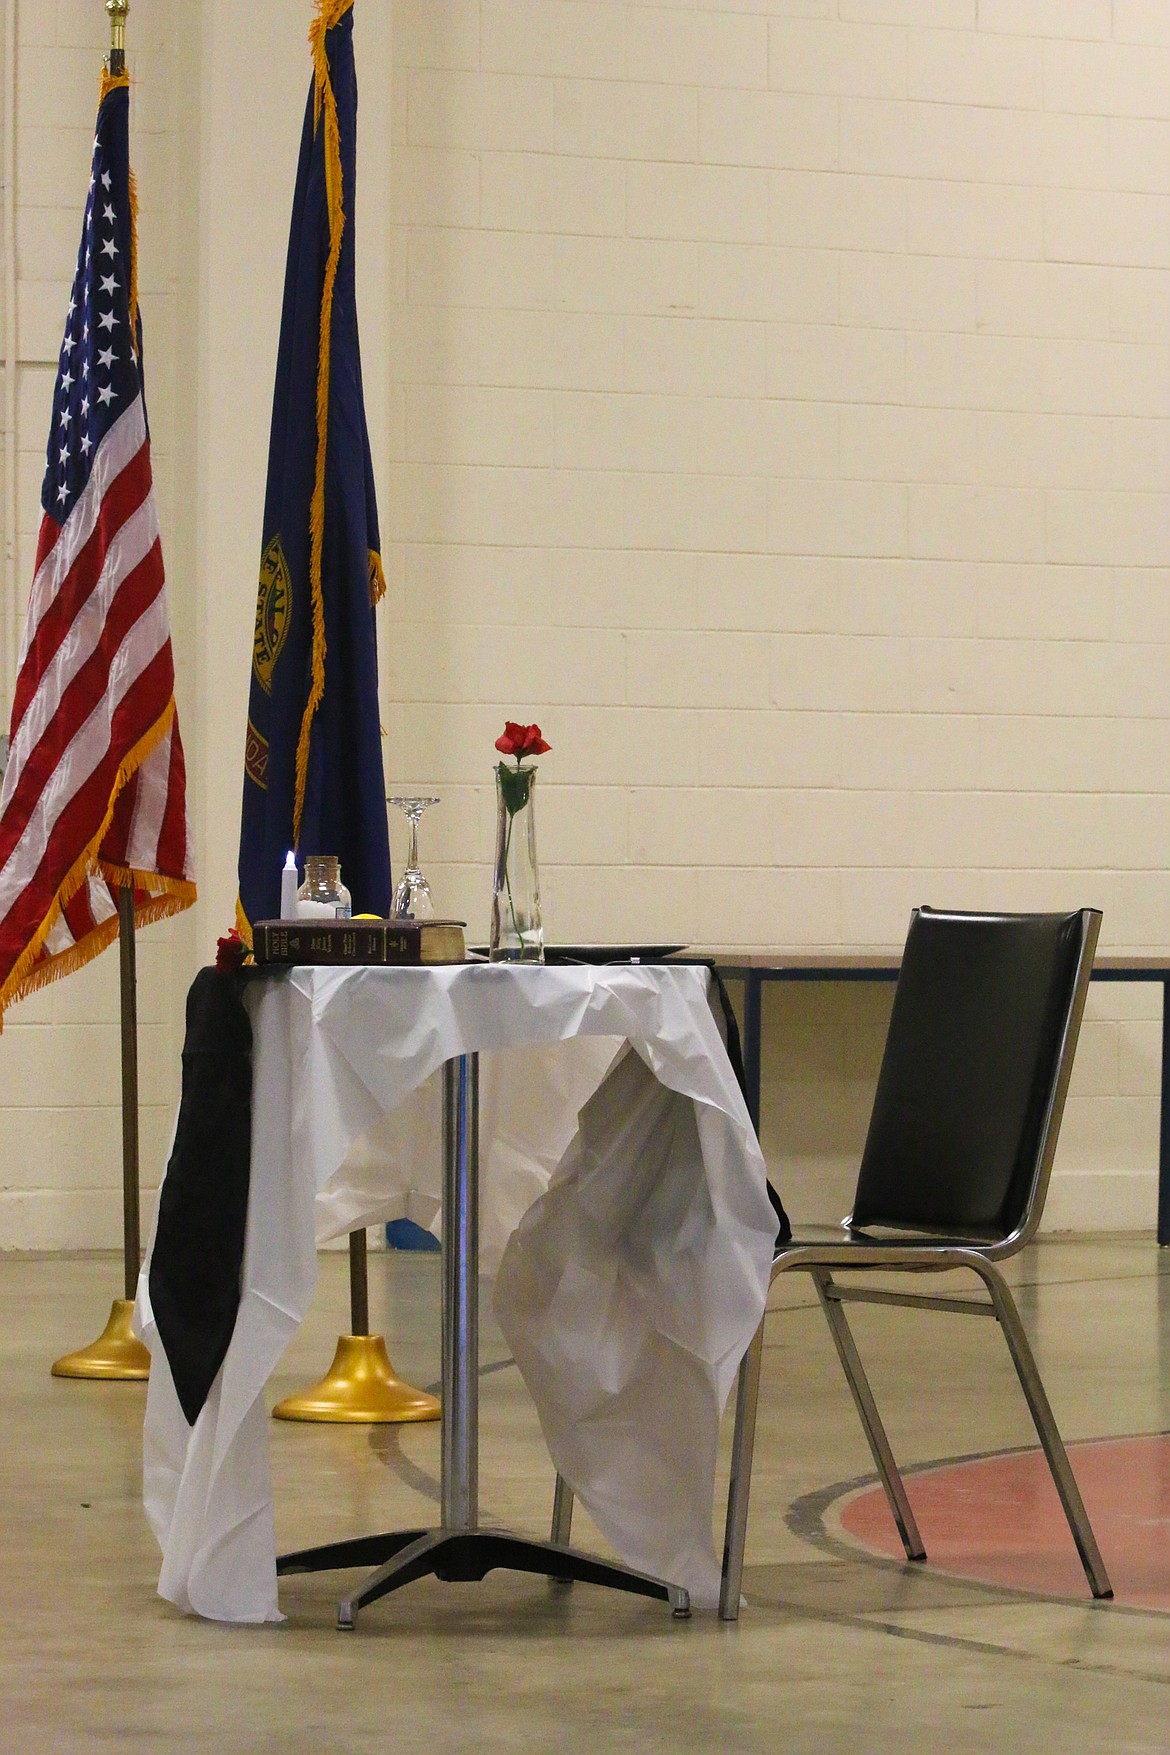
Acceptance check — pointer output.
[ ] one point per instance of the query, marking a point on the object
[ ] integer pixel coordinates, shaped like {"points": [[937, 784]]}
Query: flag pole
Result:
{"points": [[131, 1238], [319, 394], [117, 10], [118, 1353]]}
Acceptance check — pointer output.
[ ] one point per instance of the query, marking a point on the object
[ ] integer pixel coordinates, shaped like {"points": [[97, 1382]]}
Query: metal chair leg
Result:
{"points": [[747, 1397], [562, 1512], [875, 1432], [562, 1522], [1046, 1429]]}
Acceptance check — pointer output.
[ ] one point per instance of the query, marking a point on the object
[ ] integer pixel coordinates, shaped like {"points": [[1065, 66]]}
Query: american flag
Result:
{"points": [[94, 791]]}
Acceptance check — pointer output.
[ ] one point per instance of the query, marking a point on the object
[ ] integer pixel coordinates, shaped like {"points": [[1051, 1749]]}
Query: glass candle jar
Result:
{"points": [[323, 896]]}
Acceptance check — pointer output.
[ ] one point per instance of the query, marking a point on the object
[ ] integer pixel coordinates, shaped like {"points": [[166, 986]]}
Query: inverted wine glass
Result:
{"points": [[412, 898]]}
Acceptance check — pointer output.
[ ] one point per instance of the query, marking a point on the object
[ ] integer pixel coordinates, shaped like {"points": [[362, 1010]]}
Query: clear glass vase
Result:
{"points": [[516, 934]]}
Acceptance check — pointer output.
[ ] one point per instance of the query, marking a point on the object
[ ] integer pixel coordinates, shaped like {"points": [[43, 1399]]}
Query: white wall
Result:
{"points": [[784, 396], [769, 397]]}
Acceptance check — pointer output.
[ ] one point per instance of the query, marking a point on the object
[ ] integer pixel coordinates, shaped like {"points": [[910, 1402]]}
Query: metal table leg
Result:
{"points": [[459, 1550], [753, 991], [1164, 1125], [460, 1334]]}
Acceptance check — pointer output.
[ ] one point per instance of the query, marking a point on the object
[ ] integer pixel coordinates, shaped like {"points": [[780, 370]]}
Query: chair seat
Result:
{"points": [[835, 1240]]}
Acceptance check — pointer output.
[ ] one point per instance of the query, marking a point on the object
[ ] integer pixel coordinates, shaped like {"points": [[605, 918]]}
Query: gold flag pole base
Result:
{"points": [[360, 1388], [116, 1354]]}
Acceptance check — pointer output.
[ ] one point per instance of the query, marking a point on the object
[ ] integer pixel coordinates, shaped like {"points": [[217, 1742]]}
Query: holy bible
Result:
{"points": [[358, 941]]}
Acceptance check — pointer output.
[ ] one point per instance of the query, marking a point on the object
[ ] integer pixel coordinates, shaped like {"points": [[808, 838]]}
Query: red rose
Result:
{"points": [[229, 953], [521, 741]]}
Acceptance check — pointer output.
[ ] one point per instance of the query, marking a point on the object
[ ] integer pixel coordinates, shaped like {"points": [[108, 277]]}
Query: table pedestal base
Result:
{"points": [[458, 1550], [464, 1556]]}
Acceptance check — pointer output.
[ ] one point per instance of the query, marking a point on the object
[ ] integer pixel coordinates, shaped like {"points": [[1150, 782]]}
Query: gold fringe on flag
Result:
{"points": [[329, 13], [377, 577], [111, 82], [168, 895]]}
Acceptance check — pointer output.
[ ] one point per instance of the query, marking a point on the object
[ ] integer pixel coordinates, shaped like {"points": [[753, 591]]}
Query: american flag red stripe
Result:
{"points": [[128, 493], [86, 686], [94, 792]]}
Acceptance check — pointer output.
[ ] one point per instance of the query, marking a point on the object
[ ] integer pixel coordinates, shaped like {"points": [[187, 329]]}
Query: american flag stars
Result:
{"points": [[98, 376]]}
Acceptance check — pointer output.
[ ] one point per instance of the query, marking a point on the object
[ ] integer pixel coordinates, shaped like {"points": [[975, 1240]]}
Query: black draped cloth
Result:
{"points": [[203, 1208]]}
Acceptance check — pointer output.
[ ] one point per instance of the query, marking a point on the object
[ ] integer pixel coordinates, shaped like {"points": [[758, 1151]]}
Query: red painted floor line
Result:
{"points": [[998, 1519]]}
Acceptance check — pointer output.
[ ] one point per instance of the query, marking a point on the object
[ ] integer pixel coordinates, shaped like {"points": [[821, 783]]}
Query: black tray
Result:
{"points": [[598, 954]]}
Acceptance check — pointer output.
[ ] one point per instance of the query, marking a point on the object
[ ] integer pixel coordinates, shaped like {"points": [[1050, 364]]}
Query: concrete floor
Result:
{"points": [[837, 1651]]}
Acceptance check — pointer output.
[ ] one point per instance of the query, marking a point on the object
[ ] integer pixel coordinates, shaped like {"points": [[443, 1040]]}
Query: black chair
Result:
{"points": [[969, 1099]]}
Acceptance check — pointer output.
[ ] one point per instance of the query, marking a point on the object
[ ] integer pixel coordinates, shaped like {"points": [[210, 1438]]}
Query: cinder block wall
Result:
{"points": [[781, 419], [770, 398]]}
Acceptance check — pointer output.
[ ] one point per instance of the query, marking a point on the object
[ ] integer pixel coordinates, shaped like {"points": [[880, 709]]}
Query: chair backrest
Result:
{"points": [[973, 1079]]}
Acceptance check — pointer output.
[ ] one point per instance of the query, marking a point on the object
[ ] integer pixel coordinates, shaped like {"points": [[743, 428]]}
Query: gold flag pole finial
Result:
{"points": [[117, 10]]}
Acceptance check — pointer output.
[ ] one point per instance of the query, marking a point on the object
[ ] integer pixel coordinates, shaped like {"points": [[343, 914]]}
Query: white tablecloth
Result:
{"points": [[628, 1291]]}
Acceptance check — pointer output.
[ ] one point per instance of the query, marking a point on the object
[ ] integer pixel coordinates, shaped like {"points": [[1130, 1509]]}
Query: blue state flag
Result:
{"points": [[313, 763]]}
